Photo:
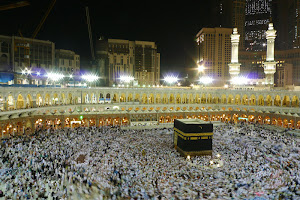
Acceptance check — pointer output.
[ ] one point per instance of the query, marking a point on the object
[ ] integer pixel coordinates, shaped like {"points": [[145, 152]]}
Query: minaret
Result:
{"points": [[270, 64], [234, 66]]}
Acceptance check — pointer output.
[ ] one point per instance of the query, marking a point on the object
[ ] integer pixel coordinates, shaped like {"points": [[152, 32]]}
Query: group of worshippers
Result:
{"points": [[112, 163]]}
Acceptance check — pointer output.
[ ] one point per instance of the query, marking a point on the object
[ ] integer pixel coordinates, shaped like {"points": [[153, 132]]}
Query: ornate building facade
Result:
{"points": [[138, 59], [24, 109]]}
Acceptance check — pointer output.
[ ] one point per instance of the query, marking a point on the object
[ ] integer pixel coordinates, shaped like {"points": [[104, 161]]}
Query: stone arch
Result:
{"points": [[245, 100], [216, 100], [237, 100], [123, 97], [101, 96], [267, 120], [191, 99], [252, 100], [39, 100], [4, 62], [151, 98], [286, 101], [94, 98], [115, 98], [20, 102], [209, 99], [178, 99], [197, 98], [130, 97], [29, 102], [261, 101], [172, 100], [295, 101], [223, 99], [28, 124], [203, 99], [63, 98], [47, 99], [277, 100], [83, 98], [55, 99], [158, 99], [184, 99], [230, 99], [137, 97], [144, 99], [2, 102], [88, 98], [165, 99], [70, 99], [269, 101]]}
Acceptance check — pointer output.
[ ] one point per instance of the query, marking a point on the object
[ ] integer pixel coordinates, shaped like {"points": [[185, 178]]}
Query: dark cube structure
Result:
{"points": [[193, 137]]}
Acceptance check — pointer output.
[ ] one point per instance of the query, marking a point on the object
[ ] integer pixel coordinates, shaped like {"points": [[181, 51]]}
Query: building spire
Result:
{"points": [[234, 66], [270, 64]]}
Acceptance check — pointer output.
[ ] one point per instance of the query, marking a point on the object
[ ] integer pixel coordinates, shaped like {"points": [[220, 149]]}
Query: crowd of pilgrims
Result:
{"points": [[111, 163]]}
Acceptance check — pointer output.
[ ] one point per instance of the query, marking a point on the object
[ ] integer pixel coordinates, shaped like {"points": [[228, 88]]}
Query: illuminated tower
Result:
{"points": [[257, 18], [270, 64], [234, 66]]}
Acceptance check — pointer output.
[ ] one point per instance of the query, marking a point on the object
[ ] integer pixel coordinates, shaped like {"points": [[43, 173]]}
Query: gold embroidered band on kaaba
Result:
{"points": [[193, 136]]}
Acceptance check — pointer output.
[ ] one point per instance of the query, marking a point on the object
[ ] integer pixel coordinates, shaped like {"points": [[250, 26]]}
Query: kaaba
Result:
{"points": [[193, 137]]}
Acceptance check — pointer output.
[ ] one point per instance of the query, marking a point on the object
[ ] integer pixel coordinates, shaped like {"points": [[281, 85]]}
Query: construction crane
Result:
{"points": [[38, 28], [26, 45], [90, 31], [14, 5]]}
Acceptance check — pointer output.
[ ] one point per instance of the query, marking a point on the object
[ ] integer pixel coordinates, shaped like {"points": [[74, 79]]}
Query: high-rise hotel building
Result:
{"points": [[230, 14], [257, 17], [117, 58], [214, 53]]}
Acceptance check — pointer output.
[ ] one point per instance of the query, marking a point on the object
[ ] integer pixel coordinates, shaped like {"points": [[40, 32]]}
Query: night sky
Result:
{"points": [[172, 26]]}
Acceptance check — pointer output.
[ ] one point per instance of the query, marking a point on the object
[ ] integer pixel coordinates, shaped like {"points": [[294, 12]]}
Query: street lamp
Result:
{"points": [[171, 79]]}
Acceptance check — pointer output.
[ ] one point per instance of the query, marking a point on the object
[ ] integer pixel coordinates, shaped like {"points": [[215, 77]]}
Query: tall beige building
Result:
{"points": [[117, 58], [27, 61], [214, 53], [66, 62], [18, 54]]}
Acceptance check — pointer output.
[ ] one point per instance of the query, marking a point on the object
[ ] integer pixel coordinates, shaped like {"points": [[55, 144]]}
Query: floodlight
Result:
{"points": [[200, 68], [126, 79], [55, 76], [206, 80], [89, 77], [240, 80], [171, 79]]}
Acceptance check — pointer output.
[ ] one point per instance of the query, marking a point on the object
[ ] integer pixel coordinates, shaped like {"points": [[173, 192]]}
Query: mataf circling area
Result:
{"points": [[110, 163]]}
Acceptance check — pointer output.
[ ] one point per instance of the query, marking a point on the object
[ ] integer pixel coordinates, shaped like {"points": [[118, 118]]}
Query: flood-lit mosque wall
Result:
{"points": [[23, 109]]}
